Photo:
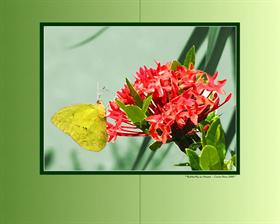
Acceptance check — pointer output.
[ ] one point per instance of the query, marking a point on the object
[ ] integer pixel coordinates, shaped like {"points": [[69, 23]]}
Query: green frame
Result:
{"points": [[140, 172]]}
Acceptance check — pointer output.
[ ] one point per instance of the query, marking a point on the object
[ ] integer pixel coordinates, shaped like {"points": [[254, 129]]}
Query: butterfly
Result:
{"points": [[85, 123]]}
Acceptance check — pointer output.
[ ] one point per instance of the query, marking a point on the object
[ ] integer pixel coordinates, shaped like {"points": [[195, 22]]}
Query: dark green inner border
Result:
{"points": [[134, 172]]}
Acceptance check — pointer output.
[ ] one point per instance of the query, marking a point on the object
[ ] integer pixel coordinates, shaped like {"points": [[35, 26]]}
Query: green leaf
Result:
{"points": [[175, 64], [146, 103], [190, 57], [220, 142], [134, 113], [121, 104], [233, 159], [194, 159], [211, 117], [216, 137], [209, 158], [155, 146], [134, 94], [228, 165], [211, 133], [194, 146], [218, 133], [203, 139]]}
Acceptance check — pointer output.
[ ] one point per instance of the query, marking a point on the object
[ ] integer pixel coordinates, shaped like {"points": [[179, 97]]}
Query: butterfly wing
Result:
{"points": [[85, 123]]}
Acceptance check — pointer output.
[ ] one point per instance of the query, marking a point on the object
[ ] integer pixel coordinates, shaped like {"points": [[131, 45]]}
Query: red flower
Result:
{"points": [[122, 126], [181, 98]]}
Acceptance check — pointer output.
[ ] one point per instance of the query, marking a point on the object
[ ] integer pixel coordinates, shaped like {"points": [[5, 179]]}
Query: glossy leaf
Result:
{"points": [[211, 133], [194, 146], [209, 158], [134, 113], [211, 117], [134, 94], [193, 159], [220, 142], [175, 64], [228, 165], [121, 105], [190, 57], [233, 159], [215, 136], [146, 104]]}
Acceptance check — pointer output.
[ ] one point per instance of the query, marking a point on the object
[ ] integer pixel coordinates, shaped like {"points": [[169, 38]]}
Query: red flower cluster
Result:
{"points": [[180, 98]]}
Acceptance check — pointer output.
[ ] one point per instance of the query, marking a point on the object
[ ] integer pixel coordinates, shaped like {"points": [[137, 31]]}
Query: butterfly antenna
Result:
{"points": [[98, 95]]}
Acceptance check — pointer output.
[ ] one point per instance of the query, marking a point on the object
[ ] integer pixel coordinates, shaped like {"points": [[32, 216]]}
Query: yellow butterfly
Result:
{"points": [[85, 123]]}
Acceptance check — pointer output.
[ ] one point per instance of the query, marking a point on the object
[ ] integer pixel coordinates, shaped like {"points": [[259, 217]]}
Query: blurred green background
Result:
{"points": [[79, 58]]}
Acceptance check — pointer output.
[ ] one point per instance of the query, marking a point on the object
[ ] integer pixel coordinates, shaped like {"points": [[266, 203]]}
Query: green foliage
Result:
{"points": [[175, 64], [211, 133], [211, 116], [134, 94], [190, 57], [194, 146], [193, 159], [146, 103], [233, 159], [209, 158], [134, 113], [228, 164], [212, 156], [216, 137], [212, 141]]}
